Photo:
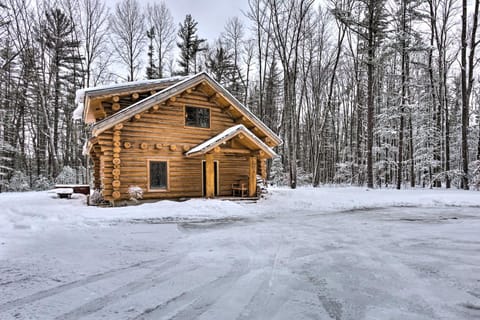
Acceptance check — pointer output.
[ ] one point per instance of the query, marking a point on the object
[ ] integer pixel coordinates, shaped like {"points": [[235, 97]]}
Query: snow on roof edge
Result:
{"points": [[146, 100], [245, 109], [78, 112], [213, 140], [80, 94], [242, 108], [226, 134]]}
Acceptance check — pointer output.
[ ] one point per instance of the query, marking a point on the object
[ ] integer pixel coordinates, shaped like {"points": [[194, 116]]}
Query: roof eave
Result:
{"points": [[142, 105], [176, 88], [262, 146]]}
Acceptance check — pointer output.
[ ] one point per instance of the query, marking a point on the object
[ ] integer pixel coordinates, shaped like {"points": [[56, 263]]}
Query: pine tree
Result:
{"points": [[62, 49], [190, 45], [219, 63], [151, 68]]}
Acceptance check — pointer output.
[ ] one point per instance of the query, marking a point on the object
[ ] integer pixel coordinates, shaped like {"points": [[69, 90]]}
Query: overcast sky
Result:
{"points": [[211, 15]]}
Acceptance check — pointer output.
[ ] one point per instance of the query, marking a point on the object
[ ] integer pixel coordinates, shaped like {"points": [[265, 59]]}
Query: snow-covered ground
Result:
{"points": [[326, 253]]}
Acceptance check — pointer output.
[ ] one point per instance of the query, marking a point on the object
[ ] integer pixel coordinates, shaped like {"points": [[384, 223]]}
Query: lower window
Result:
{"points": [[158, 175]]}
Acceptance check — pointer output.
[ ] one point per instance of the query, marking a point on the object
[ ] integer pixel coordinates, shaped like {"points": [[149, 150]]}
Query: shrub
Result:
{"points": [[135, 192], [96, 198], [18, 182], [42, 183], [66, 176]]}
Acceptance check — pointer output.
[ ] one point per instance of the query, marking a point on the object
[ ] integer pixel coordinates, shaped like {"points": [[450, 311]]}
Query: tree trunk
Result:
{"points": [[370, 96], [403, 98]]}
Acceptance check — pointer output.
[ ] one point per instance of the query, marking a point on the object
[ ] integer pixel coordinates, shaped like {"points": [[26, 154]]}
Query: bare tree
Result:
{"points": [[467, 81], [161, 20], [128, 35], [288, 22], [93, 31], [259, 16], [233, 38]]}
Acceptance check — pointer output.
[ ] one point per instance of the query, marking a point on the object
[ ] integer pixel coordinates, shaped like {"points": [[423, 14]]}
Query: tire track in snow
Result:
{"points": [[165, 270], [193, 303], [272, 293], [151, 310], [72, 285]]}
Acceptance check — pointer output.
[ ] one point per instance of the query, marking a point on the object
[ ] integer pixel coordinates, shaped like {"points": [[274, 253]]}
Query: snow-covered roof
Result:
{"points": [[174, 89], [80, 94], [226, 135], [117, 87]]}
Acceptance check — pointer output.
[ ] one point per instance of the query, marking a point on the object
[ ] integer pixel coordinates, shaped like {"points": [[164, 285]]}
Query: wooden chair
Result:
{"points": [[240, 188]]}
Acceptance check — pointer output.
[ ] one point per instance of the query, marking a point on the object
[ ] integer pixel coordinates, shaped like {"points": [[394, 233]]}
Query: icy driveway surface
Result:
{"points": [[390, 263]]}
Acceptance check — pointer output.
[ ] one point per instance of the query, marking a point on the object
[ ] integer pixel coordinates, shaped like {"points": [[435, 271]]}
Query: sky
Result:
{"points": [[211, 15]]}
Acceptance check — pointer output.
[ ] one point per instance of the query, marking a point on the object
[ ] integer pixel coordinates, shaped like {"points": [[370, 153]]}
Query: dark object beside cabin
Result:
{"points": [[64, 195], [77, 188]]}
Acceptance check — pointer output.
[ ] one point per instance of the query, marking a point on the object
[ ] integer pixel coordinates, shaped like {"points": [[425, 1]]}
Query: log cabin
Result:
{"points": [[174, 138]]}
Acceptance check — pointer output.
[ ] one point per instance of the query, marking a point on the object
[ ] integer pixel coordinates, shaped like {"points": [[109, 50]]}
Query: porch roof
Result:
{"points": [[254, 143]]}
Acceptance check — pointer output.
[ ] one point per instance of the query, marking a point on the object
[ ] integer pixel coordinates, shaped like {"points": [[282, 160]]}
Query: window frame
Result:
{"points": [[197, 107], [149, 187]]}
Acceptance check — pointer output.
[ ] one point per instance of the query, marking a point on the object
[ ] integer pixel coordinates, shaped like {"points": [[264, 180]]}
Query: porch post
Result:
{"points": [[252, 177], [263, 169], [210, 176]]}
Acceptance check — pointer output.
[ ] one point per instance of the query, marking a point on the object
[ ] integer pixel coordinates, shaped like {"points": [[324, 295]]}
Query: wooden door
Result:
{"points": [[204, 177]]}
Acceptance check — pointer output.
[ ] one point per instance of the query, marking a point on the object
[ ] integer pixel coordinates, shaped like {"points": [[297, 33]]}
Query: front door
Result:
{"points": [[204, 177]]}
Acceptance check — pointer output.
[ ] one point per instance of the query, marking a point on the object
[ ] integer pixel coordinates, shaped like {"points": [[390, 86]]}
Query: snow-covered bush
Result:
{"points": [[135, 193], [18, 182], [96, 198], [42, 183], [277, 173], [475, 170], [304, 178], [66, 176], [343, 173]]}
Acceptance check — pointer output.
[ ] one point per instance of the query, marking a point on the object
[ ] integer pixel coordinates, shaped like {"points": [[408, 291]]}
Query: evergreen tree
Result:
{"points": [[190, 45], [151, 68], [62, 50], [219, 63]]}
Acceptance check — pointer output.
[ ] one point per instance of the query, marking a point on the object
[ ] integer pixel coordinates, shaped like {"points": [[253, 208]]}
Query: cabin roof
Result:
{"points": [[176, 89], [117, 88], [226, 135]]}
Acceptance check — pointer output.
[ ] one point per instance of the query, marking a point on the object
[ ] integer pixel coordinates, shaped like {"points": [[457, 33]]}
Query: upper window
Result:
{"points": [[158, 175], [197, 117]]}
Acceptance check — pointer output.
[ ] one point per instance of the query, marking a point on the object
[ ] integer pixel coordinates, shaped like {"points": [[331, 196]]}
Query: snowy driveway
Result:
{"points": [[388, 263]]}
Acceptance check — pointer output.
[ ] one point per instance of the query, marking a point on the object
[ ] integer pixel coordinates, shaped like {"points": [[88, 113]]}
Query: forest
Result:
{"points": [[375, 93]]}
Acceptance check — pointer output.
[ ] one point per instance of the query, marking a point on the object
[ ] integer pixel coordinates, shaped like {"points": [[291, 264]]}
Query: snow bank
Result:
{"points": [[37, 211], [334, 199]]}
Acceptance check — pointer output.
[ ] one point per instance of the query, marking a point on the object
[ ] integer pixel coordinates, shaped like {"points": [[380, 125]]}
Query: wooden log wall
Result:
{"points": [[95, 156], [232, 170], [160, 134]]}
